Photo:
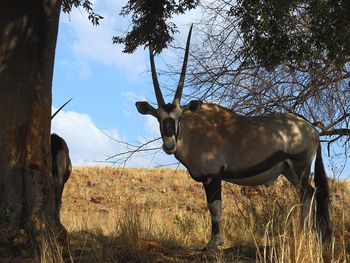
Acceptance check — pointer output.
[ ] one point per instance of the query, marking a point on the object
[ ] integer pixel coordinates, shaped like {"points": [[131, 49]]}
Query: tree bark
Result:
{"points": [[28, 33]]}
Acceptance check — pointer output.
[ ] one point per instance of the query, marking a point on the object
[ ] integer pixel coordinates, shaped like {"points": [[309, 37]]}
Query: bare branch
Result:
{"points": [[125, 156]]}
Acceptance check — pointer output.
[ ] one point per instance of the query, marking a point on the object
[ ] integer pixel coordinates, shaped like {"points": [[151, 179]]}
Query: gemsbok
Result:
{"points": [[61, 167], [215, 144], [61, 164]]}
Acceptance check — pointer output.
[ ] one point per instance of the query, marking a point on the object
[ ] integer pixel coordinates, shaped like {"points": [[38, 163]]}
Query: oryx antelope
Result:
{"points": [[214, 145], [61, 164], [61, 167]]}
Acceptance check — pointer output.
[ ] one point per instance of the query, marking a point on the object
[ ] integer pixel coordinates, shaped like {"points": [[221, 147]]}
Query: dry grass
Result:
{"points": [[159, 215]]}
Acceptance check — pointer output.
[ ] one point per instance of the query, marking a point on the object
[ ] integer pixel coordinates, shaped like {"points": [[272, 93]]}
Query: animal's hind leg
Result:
{"points": [[298, 175], [306, 197]]}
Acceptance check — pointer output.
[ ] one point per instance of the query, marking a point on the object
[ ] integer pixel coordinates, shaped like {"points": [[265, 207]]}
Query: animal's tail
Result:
{"points": [[323, 223]]}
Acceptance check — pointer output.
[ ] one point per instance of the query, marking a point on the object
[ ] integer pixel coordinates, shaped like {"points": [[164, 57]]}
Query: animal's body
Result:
{"points": [[61, 164], [215, 144], [244, 150], [61, 167]]}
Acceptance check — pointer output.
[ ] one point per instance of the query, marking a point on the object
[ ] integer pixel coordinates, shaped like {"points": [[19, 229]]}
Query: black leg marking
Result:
{"points": [[215, 228], [213, 193], [212, 188]]}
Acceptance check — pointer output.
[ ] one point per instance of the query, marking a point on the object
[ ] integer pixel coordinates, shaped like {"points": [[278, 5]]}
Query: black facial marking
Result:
{"points": [[168, 127], [168, 107]]}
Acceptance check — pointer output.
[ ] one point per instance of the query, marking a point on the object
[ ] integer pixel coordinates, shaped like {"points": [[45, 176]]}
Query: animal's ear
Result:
{"points": [[193, 106], [145, 108]]}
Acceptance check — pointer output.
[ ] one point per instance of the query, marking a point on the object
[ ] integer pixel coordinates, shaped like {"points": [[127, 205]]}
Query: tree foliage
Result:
{"points": [[271, 75], [150, 22], [68, 5], [296, 31]]}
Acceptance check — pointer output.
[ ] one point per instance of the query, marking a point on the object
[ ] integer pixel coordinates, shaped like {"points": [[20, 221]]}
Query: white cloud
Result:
{"points": [[88, 145], [86, 142], [95, 42]]}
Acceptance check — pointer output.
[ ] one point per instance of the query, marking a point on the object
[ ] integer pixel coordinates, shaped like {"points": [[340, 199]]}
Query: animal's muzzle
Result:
{"points": [[168, 134], [169, 145]]}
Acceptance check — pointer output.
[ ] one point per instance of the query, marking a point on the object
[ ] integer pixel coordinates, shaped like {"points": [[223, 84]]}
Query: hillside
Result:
{"points": [[160, 215]]}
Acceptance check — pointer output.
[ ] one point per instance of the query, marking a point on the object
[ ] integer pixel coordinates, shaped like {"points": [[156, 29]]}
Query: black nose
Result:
{"points": [[169, 149]]}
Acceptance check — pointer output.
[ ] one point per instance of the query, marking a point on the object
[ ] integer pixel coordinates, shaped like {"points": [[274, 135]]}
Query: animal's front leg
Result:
{"points": [[213, 192]]}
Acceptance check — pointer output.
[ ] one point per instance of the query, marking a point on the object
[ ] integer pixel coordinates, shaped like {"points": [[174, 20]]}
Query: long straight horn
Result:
{"points": [[60, 108], [156, 86], [180, 86]]}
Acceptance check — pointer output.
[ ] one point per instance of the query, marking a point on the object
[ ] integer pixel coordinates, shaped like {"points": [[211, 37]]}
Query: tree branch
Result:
{"points": [[137, 148]]}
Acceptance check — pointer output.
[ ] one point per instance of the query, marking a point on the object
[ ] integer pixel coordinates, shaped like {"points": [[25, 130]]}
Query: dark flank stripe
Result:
{"points": [[261, 167]]}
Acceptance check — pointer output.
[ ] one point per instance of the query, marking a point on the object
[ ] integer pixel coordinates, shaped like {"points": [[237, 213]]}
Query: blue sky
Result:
{"points": [[105, 84]]}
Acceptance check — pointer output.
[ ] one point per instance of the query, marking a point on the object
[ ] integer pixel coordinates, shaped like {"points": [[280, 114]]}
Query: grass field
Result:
{"points": [[160, 215]]}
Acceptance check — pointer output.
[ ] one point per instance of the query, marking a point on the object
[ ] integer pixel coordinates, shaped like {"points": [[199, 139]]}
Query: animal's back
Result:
{"points": [[215, 137]]}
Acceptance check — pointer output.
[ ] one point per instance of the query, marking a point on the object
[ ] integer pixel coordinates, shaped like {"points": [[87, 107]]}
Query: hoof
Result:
{"points": [[206, 249], [212, 247]]}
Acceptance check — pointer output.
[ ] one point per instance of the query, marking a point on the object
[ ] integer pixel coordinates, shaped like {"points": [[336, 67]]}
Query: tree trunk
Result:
{"points": [[28, 33]]}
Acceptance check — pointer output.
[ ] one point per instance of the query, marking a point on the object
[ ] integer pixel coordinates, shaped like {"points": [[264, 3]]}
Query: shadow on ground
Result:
{"points": [[104, 248]]}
